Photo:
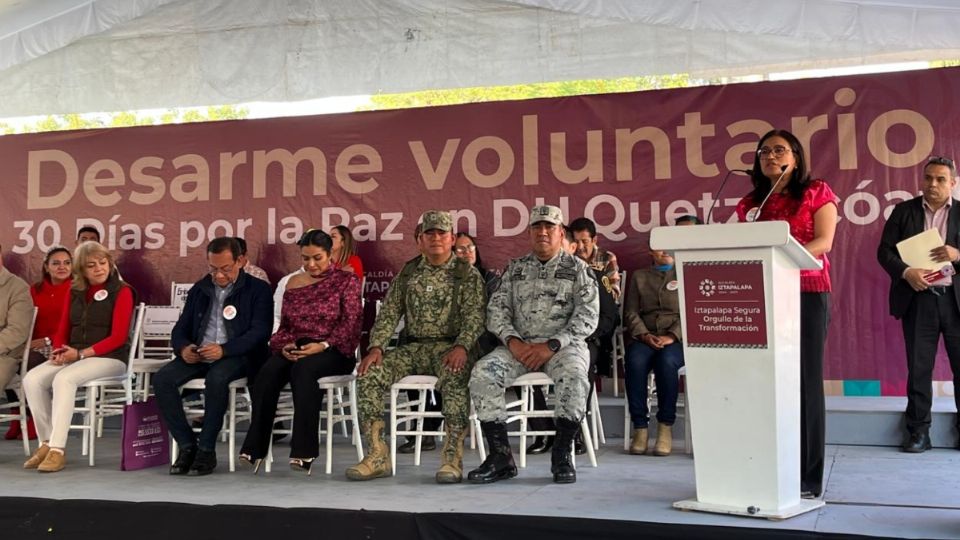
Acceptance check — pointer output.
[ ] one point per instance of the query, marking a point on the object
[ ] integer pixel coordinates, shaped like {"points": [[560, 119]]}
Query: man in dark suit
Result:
{"points": [[221, 336], [927, 305]]}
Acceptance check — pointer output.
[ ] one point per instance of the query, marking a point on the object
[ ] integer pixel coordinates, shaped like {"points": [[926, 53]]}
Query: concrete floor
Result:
{"points": [[870, 490]]}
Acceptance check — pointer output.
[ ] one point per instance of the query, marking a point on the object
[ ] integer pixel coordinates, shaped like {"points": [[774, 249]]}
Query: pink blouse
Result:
{"points": [[799, 215], [328, 310]]}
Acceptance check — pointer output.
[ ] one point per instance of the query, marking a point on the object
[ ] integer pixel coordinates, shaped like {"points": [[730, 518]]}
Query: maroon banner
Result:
{"points": [[725, 304], [630, 162]]}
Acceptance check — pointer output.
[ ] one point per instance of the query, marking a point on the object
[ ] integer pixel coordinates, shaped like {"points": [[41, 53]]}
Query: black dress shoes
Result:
{"points": [[204, 463], [540, 445], [917, 443], [184, 460]]}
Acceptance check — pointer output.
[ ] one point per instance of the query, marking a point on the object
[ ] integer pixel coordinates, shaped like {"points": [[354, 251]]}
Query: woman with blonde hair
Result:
{"points": [[344, 251], [92, 341]]}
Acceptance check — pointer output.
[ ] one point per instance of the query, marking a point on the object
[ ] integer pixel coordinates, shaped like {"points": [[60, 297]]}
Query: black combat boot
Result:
{"points": [[499, 464], [561, 464]]}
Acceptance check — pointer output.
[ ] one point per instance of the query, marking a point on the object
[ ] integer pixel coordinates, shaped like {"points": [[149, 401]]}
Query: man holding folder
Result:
{"points": [[925, 294]]}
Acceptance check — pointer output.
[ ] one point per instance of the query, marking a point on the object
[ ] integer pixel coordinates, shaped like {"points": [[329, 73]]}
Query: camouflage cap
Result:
{"points": [[550, 214], [437, 219]]}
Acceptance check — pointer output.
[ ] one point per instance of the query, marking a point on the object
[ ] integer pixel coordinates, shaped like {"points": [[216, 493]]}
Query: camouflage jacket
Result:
{"points": [[425, 300], [539, 301]]}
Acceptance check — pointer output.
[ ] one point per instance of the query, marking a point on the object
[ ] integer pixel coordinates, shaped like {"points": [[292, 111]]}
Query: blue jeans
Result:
{"points": [[216, 394], [640, 360]]}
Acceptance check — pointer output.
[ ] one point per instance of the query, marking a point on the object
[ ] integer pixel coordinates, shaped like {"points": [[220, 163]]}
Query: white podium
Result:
{"points": [[739, 290]]}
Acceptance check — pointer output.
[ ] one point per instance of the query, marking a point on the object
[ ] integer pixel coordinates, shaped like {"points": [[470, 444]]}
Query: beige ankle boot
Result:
{"points": [[664, 440], [451, 456], [55, 461], [376, 464], [37, 458], [638, 444]]}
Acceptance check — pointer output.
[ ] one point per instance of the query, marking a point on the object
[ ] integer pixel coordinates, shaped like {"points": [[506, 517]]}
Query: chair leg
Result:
{"points": [[617, 350], [100, 413], [268, 466], [473, 430], [627, 431], [357, 439], [23, 420], [393, 430], [331, 425], [340, 413], [422, 408], [480, 443], [525, 408], [93, 420], [232, 430], [588, 442]]}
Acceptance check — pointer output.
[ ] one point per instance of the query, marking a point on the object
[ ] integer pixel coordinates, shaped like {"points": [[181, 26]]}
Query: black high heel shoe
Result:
{"points": [[302, 465], [255, 463]]}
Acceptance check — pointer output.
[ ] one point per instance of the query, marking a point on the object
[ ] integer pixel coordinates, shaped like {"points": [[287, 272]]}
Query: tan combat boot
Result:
{"points": [[376, 464], [664, 440], [451, 456], [638, 444]]}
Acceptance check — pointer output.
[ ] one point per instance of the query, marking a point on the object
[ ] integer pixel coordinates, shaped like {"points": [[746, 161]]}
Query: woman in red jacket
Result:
{"points": [[50, 298]]}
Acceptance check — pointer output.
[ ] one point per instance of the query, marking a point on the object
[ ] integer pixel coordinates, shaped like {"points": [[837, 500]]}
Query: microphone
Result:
{"points": [[716, 197], [754, 214]]}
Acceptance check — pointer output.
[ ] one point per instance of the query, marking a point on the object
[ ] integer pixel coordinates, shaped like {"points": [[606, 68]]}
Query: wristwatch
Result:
{"points": [[553, 345], [80, 355]]}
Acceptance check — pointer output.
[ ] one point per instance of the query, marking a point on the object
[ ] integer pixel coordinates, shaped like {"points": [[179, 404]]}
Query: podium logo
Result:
{"points": [[708, 287]]}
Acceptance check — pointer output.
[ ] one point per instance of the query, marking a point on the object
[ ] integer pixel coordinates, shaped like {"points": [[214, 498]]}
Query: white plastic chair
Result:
{"points": [[238, 390], [96, 403], [411, 411], [522, 409], [19, 406], [337, 410], [682, 412], [153, 350]]}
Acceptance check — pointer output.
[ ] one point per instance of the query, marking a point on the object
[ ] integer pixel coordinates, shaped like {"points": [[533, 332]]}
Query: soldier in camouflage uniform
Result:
{"points": [[441, 299], [546, 307]]}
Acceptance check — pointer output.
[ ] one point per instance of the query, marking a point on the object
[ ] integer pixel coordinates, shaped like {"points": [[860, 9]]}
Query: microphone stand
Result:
{"points": [[716, 197], [756, 215]]}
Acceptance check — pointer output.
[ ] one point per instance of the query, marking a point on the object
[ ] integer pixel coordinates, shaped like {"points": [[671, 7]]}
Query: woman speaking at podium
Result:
{"points": [[783, 191]]}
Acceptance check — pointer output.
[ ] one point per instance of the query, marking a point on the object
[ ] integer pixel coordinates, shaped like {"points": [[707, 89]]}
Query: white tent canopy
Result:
{"points": [[59, 56]]}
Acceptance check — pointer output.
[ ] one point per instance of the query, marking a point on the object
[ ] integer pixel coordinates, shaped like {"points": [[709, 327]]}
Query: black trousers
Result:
{"points": [[307, 400], [928, 316], [814, 320]]}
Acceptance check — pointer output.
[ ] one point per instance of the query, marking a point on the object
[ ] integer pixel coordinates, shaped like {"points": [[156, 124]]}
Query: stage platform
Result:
{"points": [[870, 492]]}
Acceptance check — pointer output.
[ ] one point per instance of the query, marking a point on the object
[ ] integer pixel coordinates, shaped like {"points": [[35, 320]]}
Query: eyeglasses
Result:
{"points": [[777, 151], [463, 250], [940, 160], [225, 270]]}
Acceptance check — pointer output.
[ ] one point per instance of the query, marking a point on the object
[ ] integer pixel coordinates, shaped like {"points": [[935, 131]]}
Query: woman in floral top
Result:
{"points": [[781, 177], [318, 336]]}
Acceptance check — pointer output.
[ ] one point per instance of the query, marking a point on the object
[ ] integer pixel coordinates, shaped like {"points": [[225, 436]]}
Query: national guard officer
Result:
{"points": [[441, 298], [546, 307]]}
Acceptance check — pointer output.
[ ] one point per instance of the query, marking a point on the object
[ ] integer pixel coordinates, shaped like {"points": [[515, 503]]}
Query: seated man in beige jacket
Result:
{"points": [[16, 311]]}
